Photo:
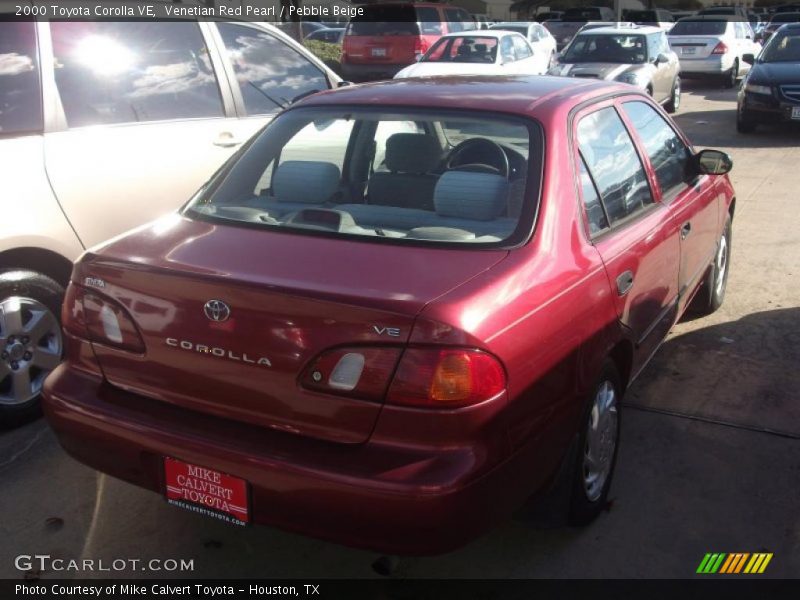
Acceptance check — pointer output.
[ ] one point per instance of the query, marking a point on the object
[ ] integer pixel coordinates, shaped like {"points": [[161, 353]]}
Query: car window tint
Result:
{"points": [[20, 93], [429, 21], [670, 157], [385, 130], [507, 49], [270, 73], [591, 200], [109, 72], [613, 163], [454, 20]]}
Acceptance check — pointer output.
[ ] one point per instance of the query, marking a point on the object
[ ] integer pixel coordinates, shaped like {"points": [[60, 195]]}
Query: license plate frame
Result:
{"points": [[378, 52], [206, 491]]}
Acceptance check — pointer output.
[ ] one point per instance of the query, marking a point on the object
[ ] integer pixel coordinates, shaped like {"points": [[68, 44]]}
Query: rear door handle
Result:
{"points": [[624, 283], [686, 230], [226, 140]]}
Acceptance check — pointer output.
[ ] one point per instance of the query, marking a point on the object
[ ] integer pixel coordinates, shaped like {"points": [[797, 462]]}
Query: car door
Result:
{"points": [[267, 73], [633, 233], [692, 198], [138, 122]]}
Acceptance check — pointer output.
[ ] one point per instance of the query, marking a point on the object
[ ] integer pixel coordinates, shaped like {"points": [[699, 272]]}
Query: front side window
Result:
{"points": [[670, 157], [521, 49], [614, 164], [20, 92], [270, 73], [595, 213], [109, 72], [782, 47], [401, 175]]}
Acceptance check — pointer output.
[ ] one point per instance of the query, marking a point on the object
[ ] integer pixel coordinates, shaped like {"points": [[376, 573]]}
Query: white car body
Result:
{"points": [[540, 39], [696, 50], [501, 63]]}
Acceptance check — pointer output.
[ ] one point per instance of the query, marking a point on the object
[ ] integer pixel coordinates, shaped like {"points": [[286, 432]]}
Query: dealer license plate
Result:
{"points": [[206, 491]]}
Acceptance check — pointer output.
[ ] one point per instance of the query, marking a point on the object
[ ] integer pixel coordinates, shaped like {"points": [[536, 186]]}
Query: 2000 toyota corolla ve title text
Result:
{"points": [[398, 311]]}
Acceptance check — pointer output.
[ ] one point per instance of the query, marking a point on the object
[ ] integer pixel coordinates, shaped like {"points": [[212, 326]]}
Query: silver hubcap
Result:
{"points": [[722, 265], [30, 347], [601, 440], [676, 95]]}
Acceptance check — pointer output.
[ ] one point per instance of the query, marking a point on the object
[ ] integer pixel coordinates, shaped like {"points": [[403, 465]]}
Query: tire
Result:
{"points": [[745, 123], [674, 102], [592, 474], [31, 345], [731, 76], [712, 293]]}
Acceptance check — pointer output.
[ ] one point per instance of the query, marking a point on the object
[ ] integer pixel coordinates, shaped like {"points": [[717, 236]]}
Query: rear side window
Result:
{"points": [[128, 72], [670, 157], [270, 73], [521, 49], [614, 164], [20, 92]]}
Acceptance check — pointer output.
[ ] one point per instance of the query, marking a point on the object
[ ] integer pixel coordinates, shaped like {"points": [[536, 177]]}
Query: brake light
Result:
{"points": [[720, 48], [446, 378], [99, 319], [421, 46], [358, 372]]}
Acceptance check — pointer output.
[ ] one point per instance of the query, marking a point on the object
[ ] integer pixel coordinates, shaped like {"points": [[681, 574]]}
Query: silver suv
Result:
{"points": [[640, 56], [105, 126]]}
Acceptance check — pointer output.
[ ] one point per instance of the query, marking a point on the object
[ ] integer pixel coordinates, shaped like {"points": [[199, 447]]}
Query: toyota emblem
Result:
{"points": [[217, 310]]}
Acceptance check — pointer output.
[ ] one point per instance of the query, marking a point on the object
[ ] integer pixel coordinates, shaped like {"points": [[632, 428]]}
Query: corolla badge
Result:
{"points": [[217, 310]]}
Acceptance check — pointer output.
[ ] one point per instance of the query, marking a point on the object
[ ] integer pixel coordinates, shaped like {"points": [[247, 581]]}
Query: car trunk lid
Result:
{"points": [[290, 297], [690, 47]]}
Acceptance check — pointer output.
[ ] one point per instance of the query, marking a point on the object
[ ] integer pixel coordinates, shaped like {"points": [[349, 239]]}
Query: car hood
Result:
{"points": [[432, 69], [607, 71], [775, 73]]}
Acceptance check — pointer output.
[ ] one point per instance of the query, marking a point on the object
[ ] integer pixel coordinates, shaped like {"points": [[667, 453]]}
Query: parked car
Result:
{"points": [[385, 38], [105, 126], [575, 18], [713, 46], [483, 53], [731, 10], [330, 35], [543, 44], [552, 15], [393, 344], [770, 93], [640, 56], [777, 21], [656, 17]]}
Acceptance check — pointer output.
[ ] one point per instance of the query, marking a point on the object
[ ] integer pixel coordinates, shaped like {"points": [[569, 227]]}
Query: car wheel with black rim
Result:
{"points": [[30, 341], [674, 102], [732, 75], [598, 442], [745, 123], [712, 293]]}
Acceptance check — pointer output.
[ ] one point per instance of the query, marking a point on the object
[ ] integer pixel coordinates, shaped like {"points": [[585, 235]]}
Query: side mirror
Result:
{"points": [[713, 162], [749, 59], [344, 84], [662, 58]]}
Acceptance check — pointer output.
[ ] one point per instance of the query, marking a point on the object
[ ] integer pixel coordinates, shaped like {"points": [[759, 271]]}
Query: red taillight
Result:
{"points": [[99, 319], [421, 46], [446, 378], [720, 48], [358, 372]]}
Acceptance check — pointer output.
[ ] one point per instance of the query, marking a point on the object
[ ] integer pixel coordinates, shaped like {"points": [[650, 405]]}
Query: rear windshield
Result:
{"points": [[699, 28], [385, 20], [436, 177], [466, 49]]}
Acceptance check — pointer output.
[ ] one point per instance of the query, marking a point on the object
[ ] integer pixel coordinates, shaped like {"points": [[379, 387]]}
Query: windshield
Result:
{"points": [[606, 48], [385, 20], [786, 18], [684, 27], [783, 47], [463, 50], [400, 175]]}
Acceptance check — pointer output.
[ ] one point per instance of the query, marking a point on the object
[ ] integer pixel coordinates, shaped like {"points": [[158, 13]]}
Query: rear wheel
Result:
{"points": [[30, 341], [745, 123], [674, 102], [598, 443], [710, 297], [732, 76]]}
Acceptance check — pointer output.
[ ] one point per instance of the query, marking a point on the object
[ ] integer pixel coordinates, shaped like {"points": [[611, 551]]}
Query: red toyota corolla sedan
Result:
{"points": [[399, 311]]}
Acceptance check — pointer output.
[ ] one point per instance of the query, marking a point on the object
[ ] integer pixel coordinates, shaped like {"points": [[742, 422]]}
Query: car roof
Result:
{"points": [[622, 30], [491, 33], [712, 18], [510, 24], [515, 94]]}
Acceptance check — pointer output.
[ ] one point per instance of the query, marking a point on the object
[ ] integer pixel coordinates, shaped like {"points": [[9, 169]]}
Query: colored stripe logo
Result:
{"points": [[734, 563]]}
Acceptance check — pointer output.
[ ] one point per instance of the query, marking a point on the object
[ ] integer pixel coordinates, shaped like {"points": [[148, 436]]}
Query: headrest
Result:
{"points": [[475, 196], [306, 181], [412, 153]]}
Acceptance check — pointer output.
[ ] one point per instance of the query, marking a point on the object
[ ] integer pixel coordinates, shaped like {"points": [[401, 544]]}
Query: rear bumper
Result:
{"points": [[389, 499], [370, 72], [713, 65]]}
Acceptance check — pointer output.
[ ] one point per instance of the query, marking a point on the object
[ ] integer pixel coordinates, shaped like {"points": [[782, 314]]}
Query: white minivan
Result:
{"points": [[105, 126]]}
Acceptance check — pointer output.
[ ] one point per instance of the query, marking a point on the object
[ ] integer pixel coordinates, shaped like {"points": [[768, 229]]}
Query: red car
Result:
{"points": [[399, 311]]}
